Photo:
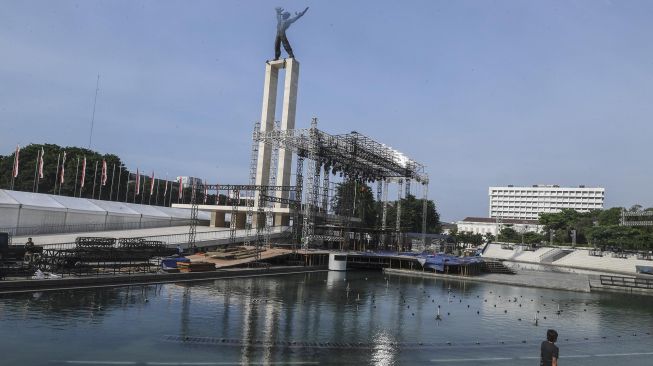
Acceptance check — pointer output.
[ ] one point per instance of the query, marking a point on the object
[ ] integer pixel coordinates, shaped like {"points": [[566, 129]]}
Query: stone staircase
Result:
{"points": [[490, 266]]}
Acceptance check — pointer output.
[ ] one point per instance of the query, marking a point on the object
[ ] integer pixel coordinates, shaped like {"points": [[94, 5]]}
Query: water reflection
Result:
{"points": [[359, 317], [383, 351]]}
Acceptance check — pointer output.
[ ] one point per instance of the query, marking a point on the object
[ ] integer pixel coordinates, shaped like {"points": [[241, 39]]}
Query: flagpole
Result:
{"points": [[127, 186], [156, 201], [13, 172], [83, 180], [63, 171], [76, 177], [56, 176], [170, 198], [113, 175], [143, 190], [94, 179], [149, 202], [136, 182], [36, 170], [90, 137], [119, 176], [99, 196], [40, 170]]}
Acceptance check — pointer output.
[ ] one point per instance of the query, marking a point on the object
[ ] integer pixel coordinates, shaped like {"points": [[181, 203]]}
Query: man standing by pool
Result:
{"points": [[548, 350]]}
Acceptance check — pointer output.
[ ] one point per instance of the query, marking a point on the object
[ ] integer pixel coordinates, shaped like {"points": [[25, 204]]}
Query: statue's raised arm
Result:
{"points": [[298, 15]]}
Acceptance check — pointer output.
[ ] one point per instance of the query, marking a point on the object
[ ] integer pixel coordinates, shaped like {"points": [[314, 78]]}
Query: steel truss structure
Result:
{"points": [[352, 156], [235, 192]]}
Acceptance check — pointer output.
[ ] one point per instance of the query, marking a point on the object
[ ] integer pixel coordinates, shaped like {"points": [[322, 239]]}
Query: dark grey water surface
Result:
{"points": [[322, 318]]}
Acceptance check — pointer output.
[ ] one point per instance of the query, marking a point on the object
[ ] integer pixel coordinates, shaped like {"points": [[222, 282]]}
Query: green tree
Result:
{"points": [[52, 162], [412, 213], [355, 199], [509, 235]]}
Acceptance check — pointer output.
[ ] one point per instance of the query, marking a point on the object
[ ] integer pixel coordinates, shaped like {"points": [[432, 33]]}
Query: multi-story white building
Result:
{"points": [[526, 203]]}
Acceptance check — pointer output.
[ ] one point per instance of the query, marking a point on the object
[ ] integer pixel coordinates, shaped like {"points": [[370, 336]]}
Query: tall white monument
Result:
{"points": [[268, 114]]}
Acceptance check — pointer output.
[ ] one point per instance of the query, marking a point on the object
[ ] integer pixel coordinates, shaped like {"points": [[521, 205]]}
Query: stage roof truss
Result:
{"points": [[352, 154]]}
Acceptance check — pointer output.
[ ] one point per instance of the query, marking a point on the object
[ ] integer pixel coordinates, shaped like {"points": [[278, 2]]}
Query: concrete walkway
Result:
{"points": [[548, 280]]}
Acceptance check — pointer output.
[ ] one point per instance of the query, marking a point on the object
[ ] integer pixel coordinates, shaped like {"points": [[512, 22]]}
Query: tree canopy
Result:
{"points": [[52, 162], [356, 199], [598, 228]]}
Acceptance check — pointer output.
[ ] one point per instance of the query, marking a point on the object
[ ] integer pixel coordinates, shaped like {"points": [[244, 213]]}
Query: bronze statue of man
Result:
{"points": [[283, 22]]}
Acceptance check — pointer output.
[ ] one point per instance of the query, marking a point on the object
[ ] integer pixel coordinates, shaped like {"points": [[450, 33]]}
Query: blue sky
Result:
{"points": [[483, 92]]}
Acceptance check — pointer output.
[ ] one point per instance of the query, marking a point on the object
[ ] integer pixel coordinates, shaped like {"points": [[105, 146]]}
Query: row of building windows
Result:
{"points": [[540, 194], [546, 204], [544, 200]]}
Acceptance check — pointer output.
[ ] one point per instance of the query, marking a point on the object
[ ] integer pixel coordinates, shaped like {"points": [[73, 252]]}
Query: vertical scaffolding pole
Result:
{"points": [[384, 217], [312, 188], [325, 191], [379, 197], [299, 184], [192, 230], [425, 197], [252, 195], [235, 198], [398, 221]]}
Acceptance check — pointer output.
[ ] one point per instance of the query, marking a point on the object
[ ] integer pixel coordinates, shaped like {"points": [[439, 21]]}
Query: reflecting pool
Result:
{"points": [[323, 318]]}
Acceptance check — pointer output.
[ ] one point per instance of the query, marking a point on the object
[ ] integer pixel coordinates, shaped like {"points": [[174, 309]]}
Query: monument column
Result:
{"points": [[287, 123], [268, 112]]}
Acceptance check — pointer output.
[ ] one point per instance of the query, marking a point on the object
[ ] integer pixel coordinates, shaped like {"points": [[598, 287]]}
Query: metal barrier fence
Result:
{"points": [[81, 228], [628, 282]]}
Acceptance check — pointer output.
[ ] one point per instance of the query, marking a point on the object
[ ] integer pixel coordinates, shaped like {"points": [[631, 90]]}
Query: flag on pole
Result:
{"points": [[63, 161], [41, 164], [138, 182], [166, 188], [14, 172], [103, 176], [181, 190], [152, 184], [81, 181], [206, 192]]}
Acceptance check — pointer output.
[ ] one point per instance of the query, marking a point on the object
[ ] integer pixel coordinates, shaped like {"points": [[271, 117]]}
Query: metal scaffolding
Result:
{"points": [[353, 157]]}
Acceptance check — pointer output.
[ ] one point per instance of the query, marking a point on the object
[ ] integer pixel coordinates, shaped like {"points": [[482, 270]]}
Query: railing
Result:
{"points": [[629, 282], [595, 252], [81, 228]]}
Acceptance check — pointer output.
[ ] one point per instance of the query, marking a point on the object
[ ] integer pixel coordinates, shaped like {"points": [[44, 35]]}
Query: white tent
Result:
{"points": [[81, 214], [119, 215], [25, 213], [183, 213], [38, 213], [9, 210], [150, 216]]}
